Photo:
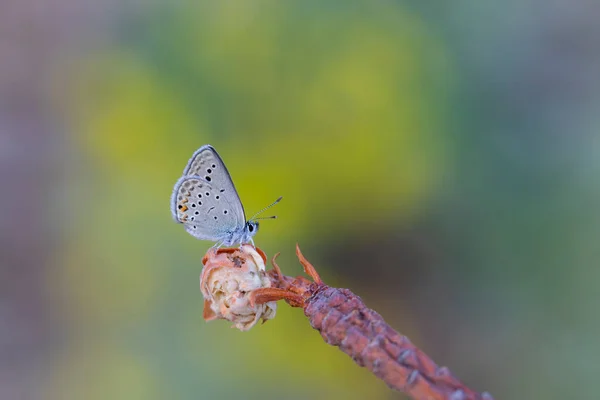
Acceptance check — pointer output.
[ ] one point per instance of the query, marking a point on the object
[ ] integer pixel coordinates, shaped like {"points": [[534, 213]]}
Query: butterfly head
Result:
{"points": [[252, 227], [246, 236]]}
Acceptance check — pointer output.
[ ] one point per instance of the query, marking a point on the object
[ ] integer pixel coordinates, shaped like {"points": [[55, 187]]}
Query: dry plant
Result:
{"points": [[237, 287]]}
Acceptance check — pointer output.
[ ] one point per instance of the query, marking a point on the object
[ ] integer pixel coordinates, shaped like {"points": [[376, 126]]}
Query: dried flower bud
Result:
{"points": [[226, 281]]}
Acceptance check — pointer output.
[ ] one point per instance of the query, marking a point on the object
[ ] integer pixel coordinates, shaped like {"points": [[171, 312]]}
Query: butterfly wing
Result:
{"points": [[207, 164], [205, 209]]}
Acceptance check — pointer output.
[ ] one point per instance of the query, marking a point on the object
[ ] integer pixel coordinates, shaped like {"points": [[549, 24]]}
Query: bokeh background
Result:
{"points": [[440, 159]]}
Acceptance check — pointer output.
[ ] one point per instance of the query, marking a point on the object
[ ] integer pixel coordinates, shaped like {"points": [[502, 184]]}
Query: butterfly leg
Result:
{"points": [[250, 242]]}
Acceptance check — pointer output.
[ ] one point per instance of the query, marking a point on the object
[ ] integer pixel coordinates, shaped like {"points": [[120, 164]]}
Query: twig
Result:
{"points": [[346, 322]]}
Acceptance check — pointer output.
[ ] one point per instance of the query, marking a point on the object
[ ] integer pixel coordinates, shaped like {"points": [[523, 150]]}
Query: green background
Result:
{"points": [[438, 159]]}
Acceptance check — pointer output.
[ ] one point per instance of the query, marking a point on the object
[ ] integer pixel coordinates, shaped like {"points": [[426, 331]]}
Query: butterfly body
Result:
{"points": [[205, 200]]}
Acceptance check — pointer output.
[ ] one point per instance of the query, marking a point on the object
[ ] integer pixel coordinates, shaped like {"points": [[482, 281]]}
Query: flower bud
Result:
{"points": [[226, 281]]}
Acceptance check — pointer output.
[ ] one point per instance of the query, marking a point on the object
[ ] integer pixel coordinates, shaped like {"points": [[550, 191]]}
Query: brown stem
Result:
{"points": [[264, 295], [346, 322]]}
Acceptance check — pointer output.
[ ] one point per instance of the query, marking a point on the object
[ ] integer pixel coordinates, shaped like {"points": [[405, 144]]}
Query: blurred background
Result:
{"points": [[441, 160]]}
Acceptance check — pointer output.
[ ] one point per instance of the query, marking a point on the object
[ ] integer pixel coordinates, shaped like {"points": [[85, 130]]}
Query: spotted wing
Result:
{"points": [[207, 164], [205, 209]]}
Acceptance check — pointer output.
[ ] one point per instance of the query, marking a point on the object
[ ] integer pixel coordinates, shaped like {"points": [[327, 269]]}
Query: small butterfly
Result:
{"points": [[204, 199]]}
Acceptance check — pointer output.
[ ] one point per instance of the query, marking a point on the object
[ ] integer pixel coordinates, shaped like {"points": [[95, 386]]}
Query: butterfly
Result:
{"points": [[204, 199]]}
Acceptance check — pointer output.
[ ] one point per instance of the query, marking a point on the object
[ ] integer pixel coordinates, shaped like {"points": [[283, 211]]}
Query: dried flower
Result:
{"points": [[228, 278], [236, 287]]}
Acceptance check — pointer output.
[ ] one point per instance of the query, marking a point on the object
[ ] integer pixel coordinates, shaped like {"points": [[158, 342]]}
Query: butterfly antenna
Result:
{"points": [[265, 209]]}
